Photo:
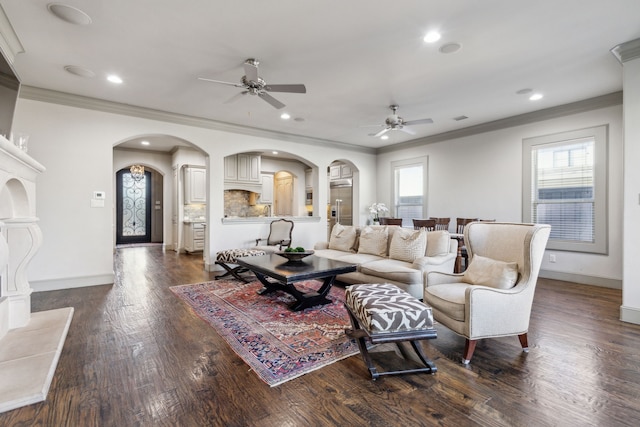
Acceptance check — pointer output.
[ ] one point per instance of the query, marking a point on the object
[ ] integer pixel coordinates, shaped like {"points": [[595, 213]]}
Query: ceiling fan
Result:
{"points": [[395, 122], [254, 85]]}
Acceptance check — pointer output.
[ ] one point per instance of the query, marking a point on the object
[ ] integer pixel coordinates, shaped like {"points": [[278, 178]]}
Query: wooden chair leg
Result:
{"points": [[469, 347], [524, 342]]}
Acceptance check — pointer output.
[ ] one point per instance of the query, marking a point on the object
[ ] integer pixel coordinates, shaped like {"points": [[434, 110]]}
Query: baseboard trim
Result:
{"points": [[71, 282], [630, 315], [582, 279]]}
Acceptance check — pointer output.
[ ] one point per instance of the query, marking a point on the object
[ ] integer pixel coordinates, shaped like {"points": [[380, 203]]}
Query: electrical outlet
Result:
{"points": [[552, 257]]}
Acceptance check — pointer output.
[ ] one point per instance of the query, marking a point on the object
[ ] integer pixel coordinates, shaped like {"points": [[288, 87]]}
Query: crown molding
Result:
{"points": [[9, 41], [522, 119], [62, 98], [627, 51]]}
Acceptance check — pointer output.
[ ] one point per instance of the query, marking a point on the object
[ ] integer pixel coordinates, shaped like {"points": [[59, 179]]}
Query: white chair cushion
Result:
{"points": [[373, 241], [438, 242], [407, 245], [490, 272], [342, 238]]}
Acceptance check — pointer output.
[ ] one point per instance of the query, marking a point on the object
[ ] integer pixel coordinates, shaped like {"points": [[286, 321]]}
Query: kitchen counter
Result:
{"points": [[193, 221], [267, 219]]}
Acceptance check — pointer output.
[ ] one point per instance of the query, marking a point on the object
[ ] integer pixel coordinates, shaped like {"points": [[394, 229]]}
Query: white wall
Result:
{"points": [[481, 176], [76, 147], [630, 310]]}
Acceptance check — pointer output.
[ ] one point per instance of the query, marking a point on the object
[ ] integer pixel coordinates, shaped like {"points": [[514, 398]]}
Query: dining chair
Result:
{"points": [[462, 249], [429, 224], [390, 221], [442, 223]]}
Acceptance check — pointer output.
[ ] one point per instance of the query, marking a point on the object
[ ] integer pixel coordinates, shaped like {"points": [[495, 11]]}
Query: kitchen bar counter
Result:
{"points": [[267, 219]]}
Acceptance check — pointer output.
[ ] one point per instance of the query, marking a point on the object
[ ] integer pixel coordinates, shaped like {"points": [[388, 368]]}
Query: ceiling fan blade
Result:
{"points": [[382, 132], [296, 88], [406, 130], [236, 97], [271, 100], [219, 81], [418, 122], [251, 70]]}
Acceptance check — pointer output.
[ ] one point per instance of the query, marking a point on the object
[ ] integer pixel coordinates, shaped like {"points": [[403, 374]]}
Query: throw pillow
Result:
{"points": [[407, 245], [342, 238], [490, 272], [438, 242], [373, 241]]}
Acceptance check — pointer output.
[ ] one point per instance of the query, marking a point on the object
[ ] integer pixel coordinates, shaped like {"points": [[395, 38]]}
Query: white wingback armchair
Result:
{"points": [[493, 297]]}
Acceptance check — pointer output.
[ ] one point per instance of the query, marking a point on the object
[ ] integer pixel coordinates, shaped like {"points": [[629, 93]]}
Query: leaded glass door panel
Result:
{"points": [[133, 205]]}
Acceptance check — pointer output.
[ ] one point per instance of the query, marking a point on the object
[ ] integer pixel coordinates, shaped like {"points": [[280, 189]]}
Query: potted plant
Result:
{"points": [[376, 209]]}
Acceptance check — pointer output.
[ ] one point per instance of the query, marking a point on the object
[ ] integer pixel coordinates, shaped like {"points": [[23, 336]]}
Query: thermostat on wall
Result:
{"points": [[99, 195]]}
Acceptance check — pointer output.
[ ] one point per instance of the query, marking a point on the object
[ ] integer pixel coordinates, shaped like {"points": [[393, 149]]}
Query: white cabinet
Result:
{"points": [[243, 167], [340, 171], [308, 178], [266, 197], [195, 185], [194, 236]]}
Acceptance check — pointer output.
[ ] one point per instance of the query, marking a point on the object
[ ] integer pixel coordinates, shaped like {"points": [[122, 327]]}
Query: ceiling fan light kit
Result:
{"points": [[254, 85], [395, 122]]}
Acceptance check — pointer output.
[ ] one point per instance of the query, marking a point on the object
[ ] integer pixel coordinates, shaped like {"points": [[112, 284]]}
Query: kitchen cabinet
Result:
{"points": [[266, 197], [195, 185], [244, 167], [194, 236], [340, 171]]}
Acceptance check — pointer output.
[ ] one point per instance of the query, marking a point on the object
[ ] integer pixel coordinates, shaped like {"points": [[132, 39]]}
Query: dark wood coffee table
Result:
{"points": [[285, 274]]}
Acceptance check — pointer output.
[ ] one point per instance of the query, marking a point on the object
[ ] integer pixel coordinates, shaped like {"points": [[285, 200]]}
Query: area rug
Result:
{"points": [[277, 343]]}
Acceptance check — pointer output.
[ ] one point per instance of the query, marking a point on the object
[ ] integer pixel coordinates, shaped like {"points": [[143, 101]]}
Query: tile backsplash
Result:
{"points": [[236, 203], [194, 211]]}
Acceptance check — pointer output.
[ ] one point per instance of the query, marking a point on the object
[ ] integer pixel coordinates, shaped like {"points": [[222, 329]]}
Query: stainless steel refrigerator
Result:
{"points": [[341, 202]]}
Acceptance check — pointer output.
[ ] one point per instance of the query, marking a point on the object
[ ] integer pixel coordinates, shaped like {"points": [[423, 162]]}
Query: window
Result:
{"points": [[565, 185], [409, 184]]}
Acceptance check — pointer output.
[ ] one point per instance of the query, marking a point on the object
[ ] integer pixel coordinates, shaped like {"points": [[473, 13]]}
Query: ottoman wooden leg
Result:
{"points": [[235, 272]]}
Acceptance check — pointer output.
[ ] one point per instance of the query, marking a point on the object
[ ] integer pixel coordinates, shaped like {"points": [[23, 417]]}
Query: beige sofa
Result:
{"points": [[390, 254]]}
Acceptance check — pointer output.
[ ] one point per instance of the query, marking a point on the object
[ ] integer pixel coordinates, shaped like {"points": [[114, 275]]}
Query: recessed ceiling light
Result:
{"points": [[79, 71], [274, 152], [384, 137], [69, 14], [145, 142], [535, 97], [450, 48], [285, 116], [432, 37], [114, 79]]}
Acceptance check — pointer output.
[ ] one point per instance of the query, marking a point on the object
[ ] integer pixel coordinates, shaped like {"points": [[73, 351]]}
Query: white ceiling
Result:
{"points": [[356, 57]]}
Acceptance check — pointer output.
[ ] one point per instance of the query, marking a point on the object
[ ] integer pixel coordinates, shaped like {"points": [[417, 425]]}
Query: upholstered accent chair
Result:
{"points": [[493, 297], [279, 236]]}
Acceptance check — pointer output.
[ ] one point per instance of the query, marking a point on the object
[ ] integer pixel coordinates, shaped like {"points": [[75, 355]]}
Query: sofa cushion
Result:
{"points": [[392, 270], [342, 238], [490, 272], [407, 245], [331, 254], [373, 241], [447, 299], [438, 242]]}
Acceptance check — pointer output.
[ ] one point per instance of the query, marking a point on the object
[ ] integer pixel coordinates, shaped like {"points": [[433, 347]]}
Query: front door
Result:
{"points": [[133, 208]]}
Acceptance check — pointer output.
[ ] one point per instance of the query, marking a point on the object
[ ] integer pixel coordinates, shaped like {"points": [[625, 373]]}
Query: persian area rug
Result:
{"points": [[277, 343]]}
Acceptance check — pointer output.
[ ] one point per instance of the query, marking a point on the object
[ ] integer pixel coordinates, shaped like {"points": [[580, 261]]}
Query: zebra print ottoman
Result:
{"points": [[229, 256], [383, 313]]}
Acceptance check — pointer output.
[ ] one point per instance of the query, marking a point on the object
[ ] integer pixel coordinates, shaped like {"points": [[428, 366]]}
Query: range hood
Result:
{"points": [[244, 186]]}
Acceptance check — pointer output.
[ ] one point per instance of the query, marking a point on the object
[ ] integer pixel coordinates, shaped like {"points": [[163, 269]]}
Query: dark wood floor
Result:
{"points": [[136, 356]]}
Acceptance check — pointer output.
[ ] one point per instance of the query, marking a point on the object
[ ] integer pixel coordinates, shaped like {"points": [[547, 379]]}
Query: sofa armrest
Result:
{"points": [[422, 262], [321, 245]]}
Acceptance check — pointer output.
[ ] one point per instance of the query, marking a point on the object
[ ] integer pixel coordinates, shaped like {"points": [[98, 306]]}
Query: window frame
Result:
{"points": [[600, 185], [423, 162]]}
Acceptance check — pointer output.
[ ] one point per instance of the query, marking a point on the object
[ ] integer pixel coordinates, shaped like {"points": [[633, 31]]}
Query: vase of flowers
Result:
{"points": [[375, 210]]}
